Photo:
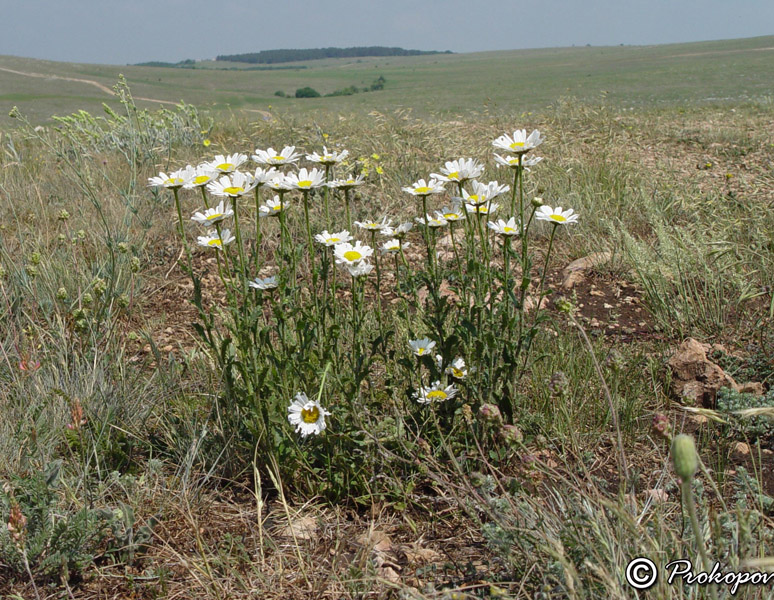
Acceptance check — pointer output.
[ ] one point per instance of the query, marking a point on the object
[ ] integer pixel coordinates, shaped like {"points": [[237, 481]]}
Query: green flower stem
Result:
{"points": [[346, 207], [204, 197], [688, 502], [514, 188], [325, 196], [378, 281], [506, 280], [459, 263], [238, 236], [181, 229], [257, 224]]}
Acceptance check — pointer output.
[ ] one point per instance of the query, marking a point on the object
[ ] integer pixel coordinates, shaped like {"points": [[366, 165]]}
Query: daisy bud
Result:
{"points": [[61, 294], [537, 202], [63, 215], [684, 457]]}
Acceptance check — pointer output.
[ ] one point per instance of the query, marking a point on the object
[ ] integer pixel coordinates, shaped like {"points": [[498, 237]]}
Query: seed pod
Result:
{"points": [[684, 457]]}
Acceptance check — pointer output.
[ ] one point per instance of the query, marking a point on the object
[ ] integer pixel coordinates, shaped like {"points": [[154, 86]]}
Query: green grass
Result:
{"points": [[464, 84]]}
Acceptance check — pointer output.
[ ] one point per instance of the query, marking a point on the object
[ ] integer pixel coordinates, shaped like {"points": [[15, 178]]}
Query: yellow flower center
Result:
{"points": [[216, 242], [559, 218], [514, 161], [334, 240], [458, 373], [473, 197], [517, 145], [455, 175], [278, 158], [310, 415], [451, 216], [201, 179], [214, 216], [327, 158], [352, 255], [350, 181], [174, 181], [422, 190], [508, 229], [420, 351], [225, 167], [305, 183], [233, 190], [437, 395]]}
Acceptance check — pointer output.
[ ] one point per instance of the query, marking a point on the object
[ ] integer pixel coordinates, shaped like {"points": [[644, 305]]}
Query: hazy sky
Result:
{"points": [[129, 31]]}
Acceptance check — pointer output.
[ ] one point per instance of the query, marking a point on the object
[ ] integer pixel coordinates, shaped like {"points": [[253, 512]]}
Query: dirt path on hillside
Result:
{"points": [[97, 84]]}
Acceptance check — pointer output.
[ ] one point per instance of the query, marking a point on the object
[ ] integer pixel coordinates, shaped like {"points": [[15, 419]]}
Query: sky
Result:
{"points": [[131, 31]]}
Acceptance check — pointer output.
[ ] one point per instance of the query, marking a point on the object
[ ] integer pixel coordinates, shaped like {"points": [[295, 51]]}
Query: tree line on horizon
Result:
{"points": [[294, 55]]}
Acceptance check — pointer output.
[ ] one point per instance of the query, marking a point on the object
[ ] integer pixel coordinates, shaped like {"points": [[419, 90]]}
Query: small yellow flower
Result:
{"points": [[379, 170], [375, 156], [325, 136], [206, 143]]}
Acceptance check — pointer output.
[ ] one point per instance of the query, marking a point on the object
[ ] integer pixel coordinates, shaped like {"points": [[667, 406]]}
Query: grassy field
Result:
{"points": [[145, 445], [463, 85]]}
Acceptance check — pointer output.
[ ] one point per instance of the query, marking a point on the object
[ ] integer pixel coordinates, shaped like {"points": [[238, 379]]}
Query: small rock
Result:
{"points": [[741, 451], [168, 348], [697, 379], [574, 272], [752, 387]]}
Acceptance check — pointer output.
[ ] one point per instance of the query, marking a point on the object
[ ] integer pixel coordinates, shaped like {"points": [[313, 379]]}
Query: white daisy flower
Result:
{"points": [[263, 176], [328, 158], [226, 164], [214, 215], [520, 142], [202, 175], [235, 185], [331, 239], [307, 415], [347, 254], [359, 269], [374, 225], [422, 347], [455, 213], [459, 171], [348, 183], [482, 209], [393, 246], [512, 162], [483, 192], [399, 232], [437, 221], [175, 180], [268, 283], [213, 240], [501, 227], [423, 188], [457, 368], [271, 157], [555, 215], [277, 184], [435, 393], [272, 208], [304, 180]]}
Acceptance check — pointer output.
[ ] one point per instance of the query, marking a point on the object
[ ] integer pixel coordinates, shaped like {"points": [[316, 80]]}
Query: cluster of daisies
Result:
{"points": [[223, 179]]}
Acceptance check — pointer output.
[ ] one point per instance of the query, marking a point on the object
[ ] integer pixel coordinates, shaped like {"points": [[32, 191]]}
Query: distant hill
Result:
{"points": [[282, 56]]}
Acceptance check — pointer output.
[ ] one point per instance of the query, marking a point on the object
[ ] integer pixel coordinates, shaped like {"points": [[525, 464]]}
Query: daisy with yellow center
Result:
{"points": [[422, 347], [214, 215], [347, 254], [506, 228], [374, 225], [399, 232], [556, 215], [459, 171], [271, 157], [512, 162], [452, 214], [360, 269], [393, 246], [433, 222], [174, 181], [328, 158], [424, 188], [226, 163], [213, 240], [263, 176], [457, 368], [234, 186], [202, 175], [520, 142], [307, 416], [435, 393], [331, 239], [482, 209], [272, 208], [305, 180], [348, 183]]}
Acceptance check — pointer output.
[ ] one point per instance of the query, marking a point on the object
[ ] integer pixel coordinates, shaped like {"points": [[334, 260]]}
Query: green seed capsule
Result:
{"points": [[684, 457]]}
